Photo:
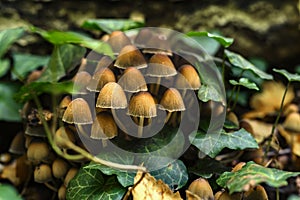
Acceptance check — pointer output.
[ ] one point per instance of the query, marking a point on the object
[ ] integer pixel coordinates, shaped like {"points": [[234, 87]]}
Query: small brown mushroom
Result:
{"points": [[132, 80], [81, 80], [42, 173], [71, 173], [130, 56], [160, 66], [104, 127], [38, 151], [59, 168], [142, 105], [17, 146], [100, 78], [171, 101], [118, 40], [78, 112], [62, 135], [200, 188]]}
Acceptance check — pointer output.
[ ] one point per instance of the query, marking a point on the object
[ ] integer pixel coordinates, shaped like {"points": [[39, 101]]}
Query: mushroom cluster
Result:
{"points": [[139, 82]]}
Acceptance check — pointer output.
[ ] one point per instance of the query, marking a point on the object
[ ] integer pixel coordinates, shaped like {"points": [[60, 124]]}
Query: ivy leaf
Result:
{"points": [[125, 178], [110, 25], [211, 144], [63, 59], [224, 41], [174, 175], [8, 106], [239, 61], [8, 192], [291, 77], [90, 184], [207, 167], [245, 82], [253, 174], [37, 88], [25, 63], [69, 37], [8, 37], [208, 92], [4, 66]]}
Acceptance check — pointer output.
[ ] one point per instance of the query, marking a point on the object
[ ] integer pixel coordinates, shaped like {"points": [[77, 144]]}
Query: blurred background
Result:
{"points": [[265, 29]]}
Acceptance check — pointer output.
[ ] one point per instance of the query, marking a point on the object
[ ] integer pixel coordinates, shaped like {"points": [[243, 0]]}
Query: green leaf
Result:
{"points": [[4, 66], [8, 37], [224, 41], [245, 82], [110, 25], [289, 76], [208, 92], [125, 178], [254, 174], [239, 61], [8, 106], [207, 167], [210, 45], [8, 192], [211, 144], [69, 37], [90, 184], [64, 58], [37, 88], [174, 175], [25, 63]]}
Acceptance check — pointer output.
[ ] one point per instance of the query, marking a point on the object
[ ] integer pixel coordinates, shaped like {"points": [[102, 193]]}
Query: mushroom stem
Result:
{"points": [[104, 143], [140, 128], [168, 117], [101, 161], [157, 86], [82, 131], [118, 122]]}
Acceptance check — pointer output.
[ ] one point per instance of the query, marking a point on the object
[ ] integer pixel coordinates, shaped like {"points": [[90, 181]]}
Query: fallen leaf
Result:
{"points": [[259, 130], [148, 188], [270, 99], [292, 138]]}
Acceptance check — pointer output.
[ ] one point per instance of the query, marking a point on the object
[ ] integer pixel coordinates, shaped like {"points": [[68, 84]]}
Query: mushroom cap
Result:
{"points": [[38, 151], [64, 134], [59, 168], [171, 101], [201, 188], [104, 127], [158, 44], [78, 112], [142, 105], [130, 56], [143, 36], [118, 40], [160, 66], [100, 78], [70, 174], [133, 80], [81, 80], [104, 62], [189, 79], [36, 131], [42, 173], [111, 96], [292, 122], [65, 102], [17, 146]]}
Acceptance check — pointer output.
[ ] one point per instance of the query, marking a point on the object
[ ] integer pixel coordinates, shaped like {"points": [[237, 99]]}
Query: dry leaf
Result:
{"points": [[260, 130], [292, 138], [270, 99], [151, 189]]}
